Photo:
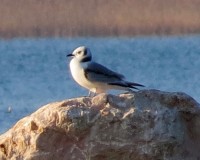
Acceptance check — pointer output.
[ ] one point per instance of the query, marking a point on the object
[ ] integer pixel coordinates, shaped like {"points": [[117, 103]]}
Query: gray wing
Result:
{"points": [[97, 73]]}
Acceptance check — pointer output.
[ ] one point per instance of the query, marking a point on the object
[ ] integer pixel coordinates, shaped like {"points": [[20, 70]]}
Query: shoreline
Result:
{"points": [[103, 37]]}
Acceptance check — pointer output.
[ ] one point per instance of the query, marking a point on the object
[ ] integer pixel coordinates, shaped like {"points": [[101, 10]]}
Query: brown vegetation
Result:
{"points": [[98, 17]]}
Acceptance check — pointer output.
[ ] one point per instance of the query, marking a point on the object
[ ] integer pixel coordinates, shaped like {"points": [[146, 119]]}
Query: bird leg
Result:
{"points": [[91, 94]]}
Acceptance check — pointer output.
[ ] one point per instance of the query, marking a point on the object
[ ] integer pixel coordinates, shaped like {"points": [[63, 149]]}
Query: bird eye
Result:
{"points": [[79, 52]]}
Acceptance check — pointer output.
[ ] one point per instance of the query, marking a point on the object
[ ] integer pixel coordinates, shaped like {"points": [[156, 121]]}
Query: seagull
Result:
{"points": [[94, 76]]}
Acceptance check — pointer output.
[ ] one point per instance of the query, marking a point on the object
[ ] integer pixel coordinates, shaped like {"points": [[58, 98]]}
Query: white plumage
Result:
{"points": [[95, 77]]}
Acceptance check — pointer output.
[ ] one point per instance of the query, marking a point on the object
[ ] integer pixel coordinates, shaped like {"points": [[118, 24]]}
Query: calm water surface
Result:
{"points": [[34, 72]]}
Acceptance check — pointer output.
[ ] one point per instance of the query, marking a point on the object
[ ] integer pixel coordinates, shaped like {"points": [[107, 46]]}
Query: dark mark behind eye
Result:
{"points": [[85, 51]]}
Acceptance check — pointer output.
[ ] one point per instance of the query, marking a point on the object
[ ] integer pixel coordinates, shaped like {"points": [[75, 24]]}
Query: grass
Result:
{"points": [[50, 18]]}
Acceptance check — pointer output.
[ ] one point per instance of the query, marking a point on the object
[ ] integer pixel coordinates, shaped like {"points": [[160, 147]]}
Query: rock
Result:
{"points": [[147, 125]]}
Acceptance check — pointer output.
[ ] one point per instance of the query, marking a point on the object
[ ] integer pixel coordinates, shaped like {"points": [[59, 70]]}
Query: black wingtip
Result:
{"points": [[135, 84], [127, 85]]}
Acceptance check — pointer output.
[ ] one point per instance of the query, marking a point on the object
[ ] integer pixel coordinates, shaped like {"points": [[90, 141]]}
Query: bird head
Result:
{"points": [[82, 54]]}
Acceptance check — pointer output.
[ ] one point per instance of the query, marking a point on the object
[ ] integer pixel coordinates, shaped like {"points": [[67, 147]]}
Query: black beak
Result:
{"points": [[70, 55]]}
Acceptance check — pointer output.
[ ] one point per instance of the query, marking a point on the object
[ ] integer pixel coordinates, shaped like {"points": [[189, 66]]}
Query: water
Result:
{"points": [[34, 72]]}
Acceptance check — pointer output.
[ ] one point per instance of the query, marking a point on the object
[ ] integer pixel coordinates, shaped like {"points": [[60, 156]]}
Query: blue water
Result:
{"points": [[34, 72]]}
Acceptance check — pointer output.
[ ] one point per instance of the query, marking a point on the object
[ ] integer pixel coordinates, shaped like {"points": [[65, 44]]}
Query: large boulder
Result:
{"points": [[146, 125]]}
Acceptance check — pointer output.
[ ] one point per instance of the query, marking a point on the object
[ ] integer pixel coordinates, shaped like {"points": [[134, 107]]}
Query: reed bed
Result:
{"points": [[71, 18]]}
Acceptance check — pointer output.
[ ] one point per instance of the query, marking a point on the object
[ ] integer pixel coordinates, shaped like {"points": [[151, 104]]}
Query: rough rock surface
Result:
{"points": [[147, 125]]}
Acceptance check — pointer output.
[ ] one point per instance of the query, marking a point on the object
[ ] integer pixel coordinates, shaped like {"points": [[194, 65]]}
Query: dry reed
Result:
{"points": [[46, 18]]}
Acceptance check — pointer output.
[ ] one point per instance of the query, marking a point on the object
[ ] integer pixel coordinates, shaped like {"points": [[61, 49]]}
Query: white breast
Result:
{"points": [[77, 71]]}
